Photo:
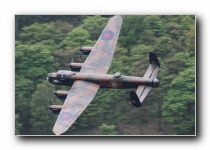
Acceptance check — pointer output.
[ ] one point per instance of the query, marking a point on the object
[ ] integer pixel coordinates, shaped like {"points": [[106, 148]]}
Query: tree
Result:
{"points": [[39, 121], [105, 129], [33, 61], [46, 33], [77, 37], [17, 125], [94, 25], [179, 105]]}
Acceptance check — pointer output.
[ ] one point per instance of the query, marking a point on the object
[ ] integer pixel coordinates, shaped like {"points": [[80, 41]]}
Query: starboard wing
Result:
{"points": [[100, 58], [78, 98]]}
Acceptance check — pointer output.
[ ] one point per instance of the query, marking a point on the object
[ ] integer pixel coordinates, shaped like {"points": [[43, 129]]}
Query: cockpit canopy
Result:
{"points": [[117, 75], [63, 73]]}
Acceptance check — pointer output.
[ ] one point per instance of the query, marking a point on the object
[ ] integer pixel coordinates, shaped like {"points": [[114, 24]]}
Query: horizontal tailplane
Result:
{"points": [[142, 91]]}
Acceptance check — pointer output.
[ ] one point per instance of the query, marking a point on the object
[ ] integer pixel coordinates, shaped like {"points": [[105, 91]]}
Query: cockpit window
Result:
{"points": [[65, 73]]}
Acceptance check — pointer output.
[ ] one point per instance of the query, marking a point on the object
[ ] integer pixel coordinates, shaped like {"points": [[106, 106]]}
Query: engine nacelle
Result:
{"points": [[86, 50], [61, 94], [155, 83], [55, 108], [75, 66]]}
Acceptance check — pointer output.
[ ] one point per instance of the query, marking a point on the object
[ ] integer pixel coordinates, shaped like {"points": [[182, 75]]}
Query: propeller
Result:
{"points": [[54, 96], [49, 111], [81, 52], [69, 65], [80, 56]]}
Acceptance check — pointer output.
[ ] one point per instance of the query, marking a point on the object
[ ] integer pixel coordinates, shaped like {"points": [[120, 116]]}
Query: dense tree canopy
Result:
{"points": [[46, 44]]}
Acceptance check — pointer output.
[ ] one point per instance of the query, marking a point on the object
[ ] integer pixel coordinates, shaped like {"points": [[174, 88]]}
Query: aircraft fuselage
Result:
{"points": [[67, 78]]}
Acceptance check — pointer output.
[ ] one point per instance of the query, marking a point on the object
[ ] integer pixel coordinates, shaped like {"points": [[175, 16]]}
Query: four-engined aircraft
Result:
{"points": [[92, 76]]}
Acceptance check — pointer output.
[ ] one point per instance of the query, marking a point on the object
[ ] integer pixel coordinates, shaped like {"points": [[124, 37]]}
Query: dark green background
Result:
{"points": [[46, 44]]}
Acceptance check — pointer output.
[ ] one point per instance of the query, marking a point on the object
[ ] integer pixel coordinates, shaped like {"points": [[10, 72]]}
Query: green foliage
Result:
{"points": [[33, 61], [94, 25], [44, 33], [179, 105], [17, 125], [47, 43], [105, 129], [76, 38], [39, 121]]}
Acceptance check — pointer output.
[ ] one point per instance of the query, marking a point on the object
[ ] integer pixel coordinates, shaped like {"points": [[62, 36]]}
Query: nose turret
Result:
{"points": [[52, 78]]}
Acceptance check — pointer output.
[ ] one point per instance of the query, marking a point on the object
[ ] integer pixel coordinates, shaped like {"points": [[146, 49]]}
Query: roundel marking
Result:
{"points": [[107, 35], [113, 84], [65, 116]]}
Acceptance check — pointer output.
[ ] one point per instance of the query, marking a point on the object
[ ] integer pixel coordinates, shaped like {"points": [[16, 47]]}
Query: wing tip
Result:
{"points": [[58, 130], [118, 18]]}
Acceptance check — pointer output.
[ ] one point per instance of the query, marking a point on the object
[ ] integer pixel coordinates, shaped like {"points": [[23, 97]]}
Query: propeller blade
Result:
{"points": [[80, 56], [67, 66], [56, 88], [54, 98], [49, 111]]}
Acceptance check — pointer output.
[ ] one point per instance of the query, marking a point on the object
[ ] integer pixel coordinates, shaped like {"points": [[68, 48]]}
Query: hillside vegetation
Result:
{"points": [[46, 44]]}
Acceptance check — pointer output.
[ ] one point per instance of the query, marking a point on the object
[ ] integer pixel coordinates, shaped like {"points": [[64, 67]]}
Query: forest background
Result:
{"points": [[45, 44]]}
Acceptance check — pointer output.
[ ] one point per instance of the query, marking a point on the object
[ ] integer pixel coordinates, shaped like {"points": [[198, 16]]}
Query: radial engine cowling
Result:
{"points": [[155, 83]]}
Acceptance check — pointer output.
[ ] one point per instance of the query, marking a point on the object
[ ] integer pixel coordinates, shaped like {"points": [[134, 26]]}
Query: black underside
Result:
{"points": [[134, 99]]}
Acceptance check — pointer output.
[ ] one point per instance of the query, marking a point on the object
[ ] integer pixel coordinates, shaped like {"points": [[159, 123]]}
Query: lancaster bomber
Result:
{"points": [[92, 75]]}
